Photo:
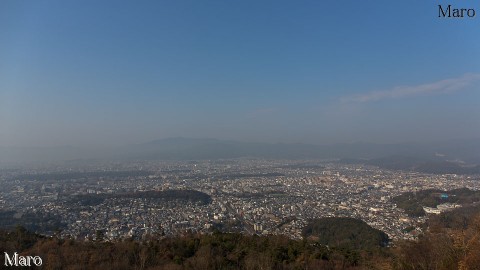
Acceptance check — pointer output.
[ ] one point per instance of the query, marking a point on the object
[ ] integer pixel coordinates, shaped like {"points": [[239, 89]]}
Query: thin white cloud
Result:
{"points": [[439, 87]]}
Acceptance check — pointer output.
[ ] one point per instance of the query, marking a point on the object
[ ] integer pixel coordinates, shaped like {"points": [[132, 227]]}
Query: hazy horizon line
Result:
{"points": [[240, 141]]}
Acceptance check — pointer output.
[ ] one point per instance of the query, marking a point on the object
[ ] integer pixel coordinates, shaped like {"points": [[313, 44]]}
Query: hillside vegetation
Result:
{"points": [[345, 233], [454, 247]]}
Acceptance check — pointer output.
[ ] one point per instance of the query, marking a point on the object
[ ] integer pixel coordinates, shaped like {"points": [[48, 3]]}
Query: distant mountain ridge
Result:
{"points": [[433, 165], [211, 148], [180, 148]]}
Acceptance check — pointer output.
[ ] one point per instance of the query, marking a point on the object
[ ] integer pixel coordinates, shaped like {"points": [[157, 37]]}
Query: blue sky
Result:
{"points": [[121, 72]]}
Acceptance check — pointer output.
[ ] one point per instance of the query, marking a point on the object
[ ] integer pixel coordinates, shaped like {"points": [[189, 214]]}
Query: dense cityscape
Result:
{"points": [[245, 135], [251, 196]]}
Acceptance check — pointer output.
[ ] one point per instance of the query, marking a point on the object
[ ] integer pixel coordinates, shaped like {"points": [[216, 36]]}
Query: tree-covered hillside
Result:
{"points": [[339, 244], [345, 233]]}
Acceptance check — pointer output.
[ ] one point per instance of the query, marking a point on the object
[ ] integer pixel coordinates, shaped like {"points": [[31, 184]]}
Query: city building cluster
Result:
{"points": [[251, 196]]}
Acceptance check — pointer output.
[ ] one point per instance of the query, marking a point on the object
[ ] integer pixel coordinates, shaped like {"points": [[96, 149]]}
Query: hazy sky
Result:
{"points": [[114, 72]]}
